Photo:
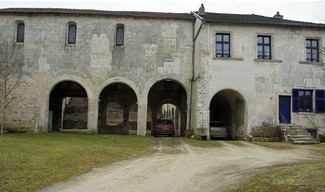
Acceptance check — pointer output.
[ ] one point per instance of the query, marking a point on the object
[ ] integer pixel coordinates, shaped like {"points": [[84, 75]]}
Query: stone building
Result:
{"points": [[240, 69]]}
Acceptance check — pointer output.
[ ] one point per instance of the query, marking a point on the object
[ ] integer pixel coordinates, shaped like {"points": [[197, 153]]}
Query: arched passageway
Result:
{"points": [[117, 110], [228, 106], [164, 97], [68, 107], [170, 111]]}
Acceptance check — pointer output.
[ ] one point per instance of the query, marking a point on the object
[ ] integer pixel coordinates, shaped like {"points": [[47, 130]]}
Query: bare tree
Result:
{"points": [[10, 76]]}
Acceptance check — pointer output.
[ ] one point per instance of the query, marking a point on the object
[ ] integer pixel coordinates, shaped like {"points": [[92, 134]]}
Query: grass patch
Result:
{"points": [[169, 141], [276, 145], [319, 148], [32, 161], [77, 131], [308, 176], [200, 143], [237, 143], [299, 177]]}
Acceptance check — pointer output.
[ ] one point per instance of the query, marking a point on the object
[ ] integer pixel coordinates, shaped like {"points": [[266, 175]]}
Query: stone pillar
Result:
{"points": [[183, 120], [142, 116], [92, 122], [43, 114]]}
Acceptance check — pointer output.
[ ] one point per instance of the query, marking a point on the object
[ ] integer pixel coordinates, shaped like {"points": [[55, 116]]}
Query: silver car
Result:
{"points": [[218, 130]]}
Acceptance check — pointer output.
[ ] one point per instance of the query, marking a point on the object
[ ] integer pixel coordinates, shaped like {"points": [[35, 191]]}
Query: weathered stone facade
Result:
{"points": [[165, 58]]}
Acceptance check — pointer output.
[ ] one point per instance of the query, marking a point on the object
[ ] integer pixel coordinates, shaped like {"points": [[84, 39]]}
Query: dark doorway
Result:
{"points": [[68, 107], [118, 110], [228, 107], [168, 94]]}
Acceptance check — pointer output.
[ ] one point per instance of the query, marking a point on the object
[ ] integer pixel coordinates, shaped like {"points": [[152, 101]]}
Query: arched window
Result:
{"points": [[120, 35], [72, 34], [20, 32]]}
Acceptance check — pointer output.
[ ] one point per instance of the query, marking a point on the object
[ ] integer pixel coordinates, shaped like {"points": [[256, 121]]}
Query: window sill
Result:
{"points": [[20, 43], [311, 63], [228, 58], [305, 112], [70, 45], [267, 61]]}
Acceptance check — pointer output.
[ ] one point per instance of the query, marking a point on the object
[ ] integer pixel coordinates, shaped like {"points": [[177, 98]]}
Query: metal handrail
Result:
{"points": [[310, 121], [283, 118]]}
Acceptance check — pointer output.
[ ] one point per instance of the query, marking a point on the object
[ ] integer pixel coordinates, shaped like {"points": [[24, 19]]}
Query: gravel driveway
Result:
{"points": [[184, 168]]}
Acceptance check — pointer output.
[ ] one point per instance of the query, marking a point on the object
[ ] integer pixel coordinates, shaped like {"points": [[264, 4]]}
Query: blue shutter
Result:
{"points": [[295, 100], [320, 101]]}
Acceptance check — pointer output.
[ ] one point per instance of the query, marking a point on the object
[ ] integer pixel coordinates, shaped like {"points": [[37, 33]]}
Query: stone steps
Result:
{"points": [[299, 135]]}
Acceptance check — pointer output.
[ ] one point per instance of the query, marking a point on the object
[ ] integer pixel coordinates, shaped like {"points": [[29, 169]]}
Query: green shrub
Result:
{"points": [[321, 138]]}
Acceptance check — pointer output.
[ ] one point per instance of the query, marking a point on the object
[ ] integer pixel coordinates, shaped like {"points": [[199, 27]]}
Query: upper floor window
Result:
{"points": [[223, 45], [72, 34], [302, 100], [20, 32], [312, 50], [120, 35], [264, 47]]}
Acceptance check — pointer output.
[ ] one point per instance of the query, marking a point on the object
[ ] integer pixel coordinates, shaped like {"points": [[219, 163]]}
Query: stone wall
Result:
{"points": [[23, 111], [75, 113]]}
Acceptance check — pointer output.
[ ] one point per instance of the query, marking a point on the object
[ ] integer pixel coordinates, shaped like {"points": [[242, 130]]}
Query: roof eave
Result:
{"points": [[320, 26], [181, 16]]}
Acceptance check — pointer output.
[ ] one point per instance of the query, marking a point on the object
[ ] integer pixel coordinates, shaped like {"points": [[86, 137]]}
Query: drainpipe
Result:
{"points": [[194, 36]]}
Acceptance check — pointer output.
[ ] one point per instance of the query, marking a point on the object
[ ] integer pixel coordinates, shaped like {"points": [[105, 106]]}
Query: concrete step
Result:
{"points": [[299, 135], [305, 142], [303, 139]]}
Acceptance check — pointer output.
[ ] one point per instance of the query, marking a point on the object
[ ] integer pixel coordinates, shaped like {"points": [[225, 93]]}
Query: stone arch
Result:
{"points": [[122, 80], [149, 84], [168, 91], [116, 104], [229, 106], [68, 106], [75, 79]]}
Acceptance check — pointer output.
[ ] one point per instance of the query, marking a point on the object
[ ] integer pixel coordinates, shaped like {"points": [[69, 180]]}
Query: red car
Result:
{"points": [[164, 127]]}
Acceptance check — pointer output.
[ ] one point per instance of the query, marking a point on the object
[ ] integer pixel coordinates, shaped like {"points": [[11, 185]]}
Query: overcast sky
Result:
{"points": [[307, 10]]}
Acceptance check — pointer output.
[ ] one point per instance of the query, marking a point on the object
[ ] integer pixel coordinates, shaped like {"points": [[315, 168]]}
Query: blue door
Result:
{"points": [[285, 109]]}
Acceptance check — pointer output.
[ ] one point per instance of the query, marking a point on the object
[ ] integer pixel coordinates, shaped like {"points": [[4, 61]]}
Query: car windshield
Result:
{"points": [[216, 124], [164, 121]]}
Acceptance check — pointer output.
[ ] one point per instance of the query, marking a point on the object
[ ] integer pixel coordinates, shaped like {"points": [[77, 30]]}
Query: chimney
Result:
{"points": [[202, 9], [278, 16]]}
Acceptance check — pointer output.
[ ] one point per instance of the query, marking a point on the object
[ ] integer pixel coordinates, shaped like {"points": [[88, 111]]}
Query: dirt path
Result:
{"points": [[184, 168]]}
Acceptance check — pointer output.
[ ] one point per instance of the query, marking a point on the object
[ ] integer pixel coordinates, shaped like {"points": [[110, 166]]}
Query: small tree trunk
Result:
{"points": [[4, 106], [3, 121]]}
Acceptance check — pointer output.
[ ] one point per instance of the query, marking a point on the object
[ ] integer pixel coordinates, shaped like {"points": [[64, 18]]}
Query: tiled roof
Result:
{"points": [[255, 19], [97, 12]]}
